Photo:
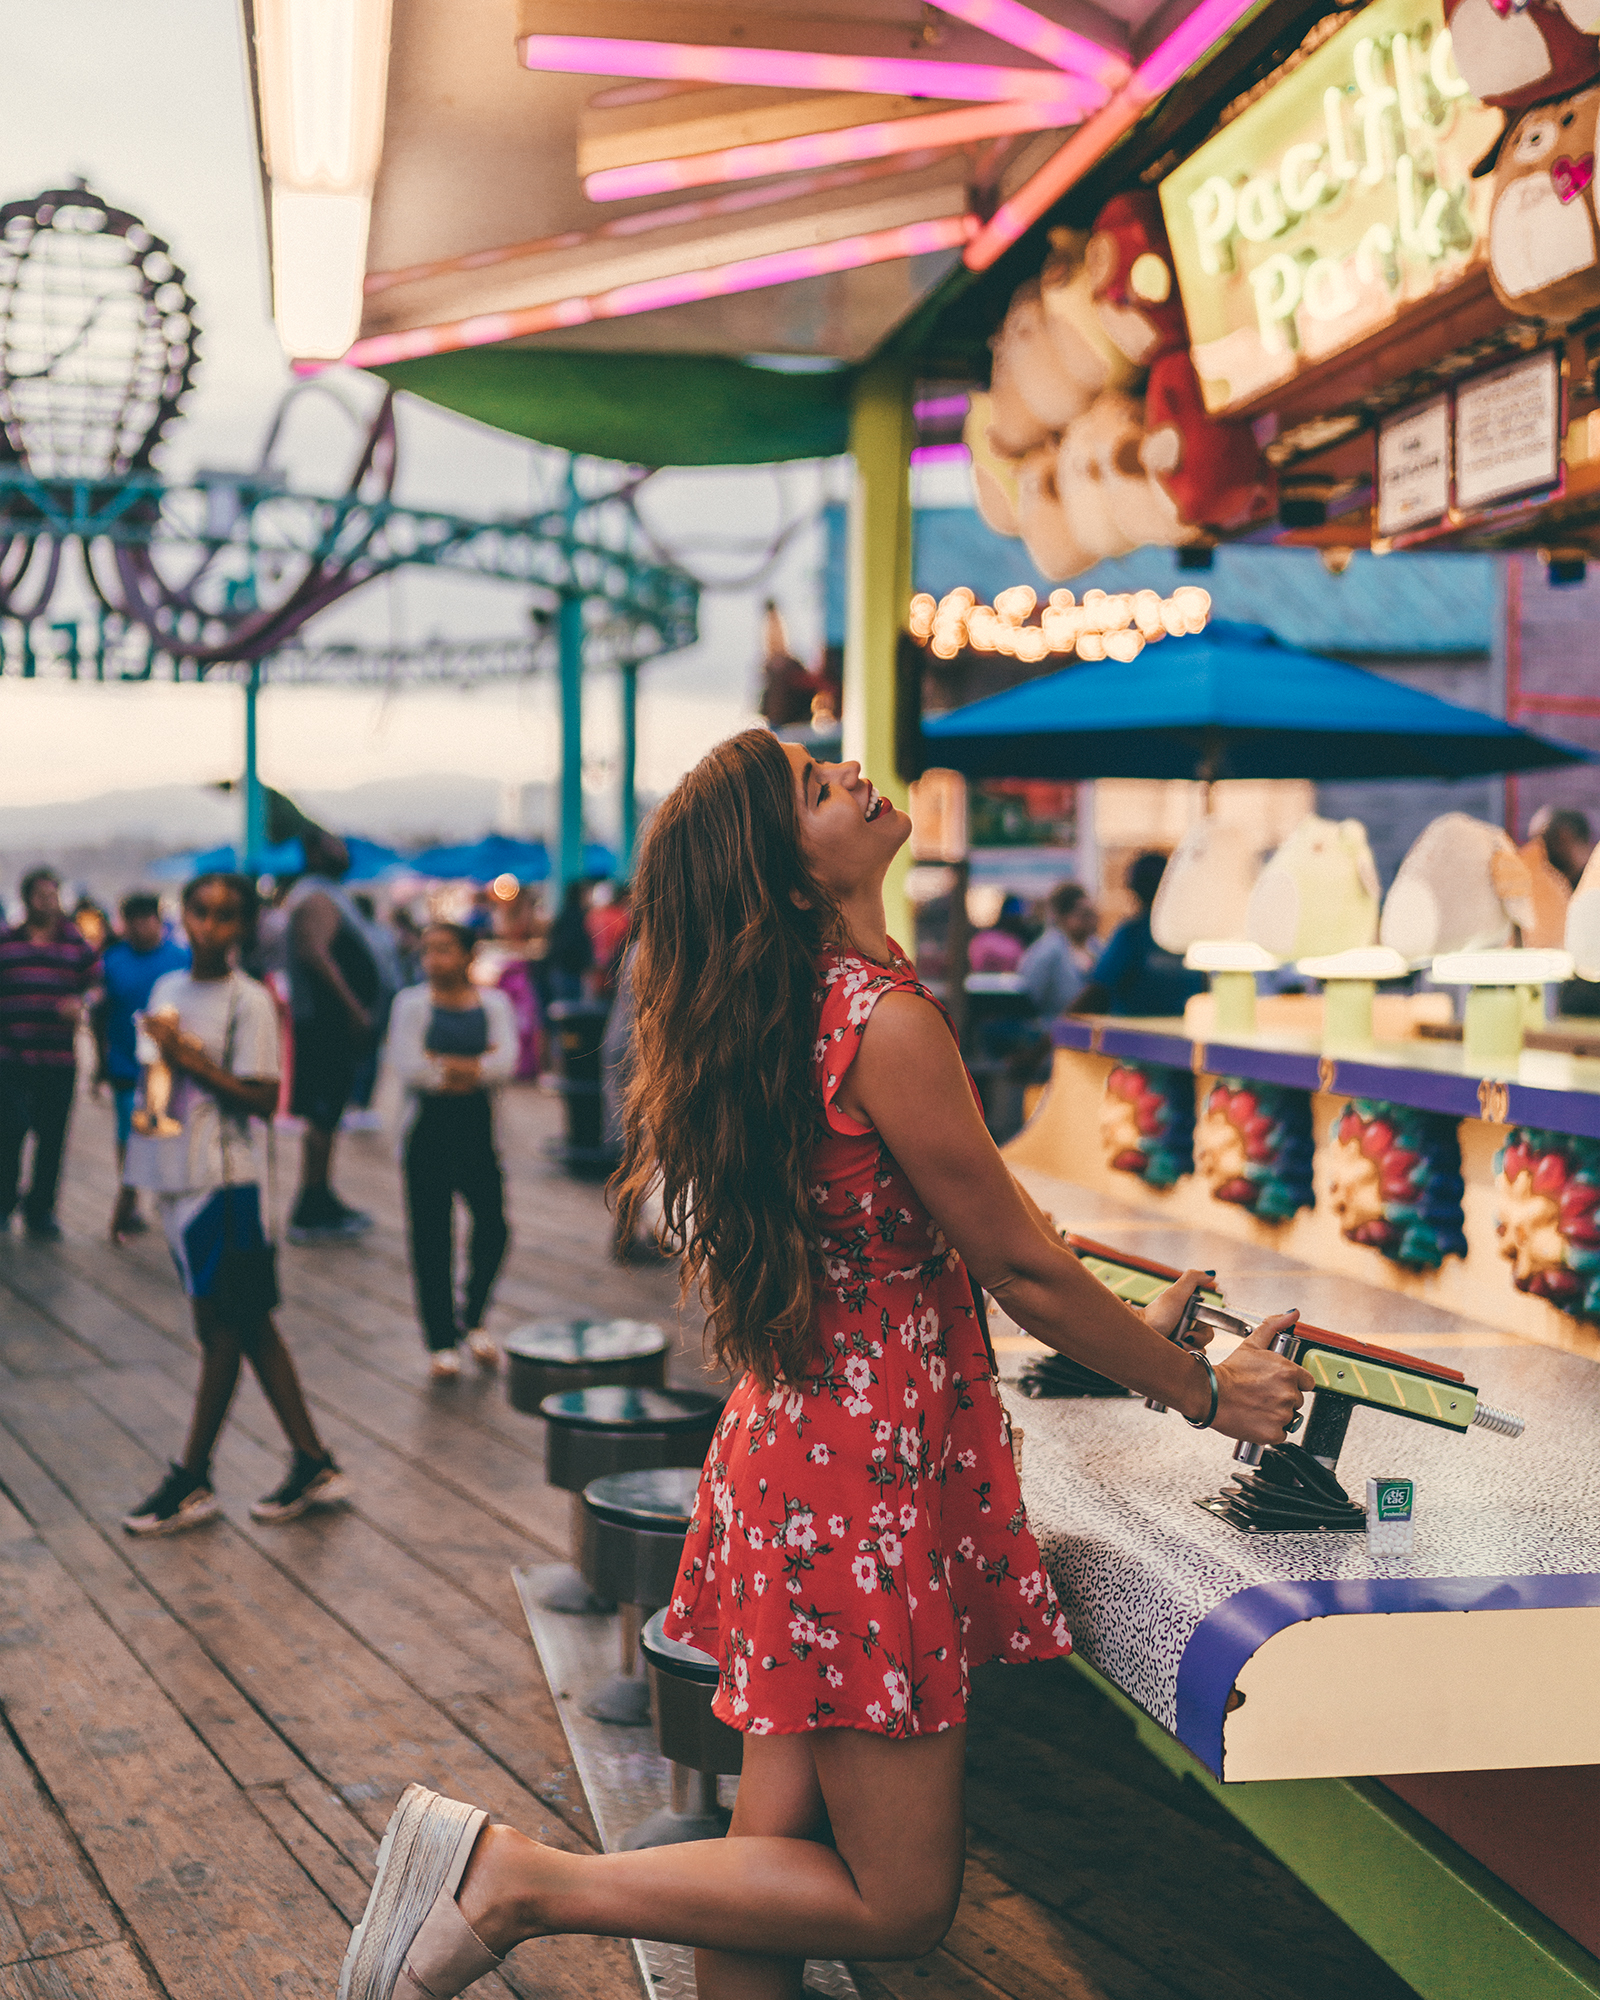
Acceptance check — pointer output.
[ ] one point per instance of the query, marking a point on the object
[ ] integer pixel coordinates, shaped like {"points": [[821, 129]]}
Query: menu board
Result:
{"points": [[1414, 467], [1508, 431]]}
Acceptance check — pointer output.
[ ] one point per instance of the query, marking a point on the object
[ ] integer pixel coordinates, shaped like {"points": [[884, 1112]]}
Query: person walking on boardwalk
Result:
{"points": [[859, 1538], [451, 1044], [211, 1034], [334, 988], [133, 964], [48, 976]]}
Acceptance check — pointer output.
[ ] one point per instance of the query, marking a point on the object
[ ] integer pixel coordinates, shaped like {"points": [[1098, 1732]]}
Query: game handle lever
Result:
{"points": [[1293, 1486]]}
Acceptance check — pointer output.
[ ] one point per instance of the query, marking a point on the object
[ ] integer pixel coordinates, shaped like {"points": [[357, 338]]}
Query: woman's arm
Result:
{"points": [[498, 1063], [403, 1049], [907, 1080]]}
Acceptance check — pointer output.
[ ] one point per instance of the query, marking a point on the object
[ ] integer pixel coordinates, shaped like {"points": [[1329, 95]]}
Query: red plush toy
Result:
{"points": [[1517, 53], [1129, 264], [1212, 472]]}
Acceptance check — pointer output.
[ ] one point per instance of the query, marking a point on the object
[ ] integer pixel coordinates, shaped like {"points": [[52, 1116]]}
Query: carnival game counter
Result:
{"points": [[1416, 1735], [1518, 1254]]}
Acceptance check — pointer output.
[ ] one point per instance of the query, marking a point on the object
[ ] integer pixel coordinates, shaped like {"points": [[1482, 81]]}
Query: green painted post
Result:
{"points": [[255, 798], [630, 760], [881, 433], [569, 635]]}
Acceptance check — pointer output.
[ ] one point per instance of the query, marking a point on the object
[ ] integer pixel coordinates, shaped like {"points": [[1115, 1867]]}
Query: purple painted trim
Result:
{"points": [[1226, 1637], [1145, 1045], [1284, 1066], [1575, 1112], [1417, 1089]]}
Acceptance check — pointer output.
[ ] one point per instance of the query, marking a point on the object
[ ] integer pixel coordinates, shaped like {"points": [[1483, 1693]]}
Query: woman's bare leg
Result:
{"points": [[779, 1796], [887, 1888]]}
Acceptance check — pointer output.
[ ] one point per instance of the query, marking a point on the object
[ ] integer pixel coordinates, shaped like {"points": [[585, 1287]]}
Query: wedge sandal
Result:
{"points": [[412, 1942]]}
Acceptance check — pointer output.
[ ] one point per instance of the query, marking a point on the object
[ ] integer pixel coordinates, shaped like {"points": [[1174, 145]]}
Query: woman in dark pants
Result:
{"points": [[451, 1043]]}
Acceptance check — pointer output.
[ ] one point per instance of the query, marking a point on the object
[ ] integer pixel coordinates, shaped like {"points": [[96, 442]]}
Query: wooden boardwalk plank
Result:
{"points": [[217, 1903], [102, 1972], [49, 1900]]}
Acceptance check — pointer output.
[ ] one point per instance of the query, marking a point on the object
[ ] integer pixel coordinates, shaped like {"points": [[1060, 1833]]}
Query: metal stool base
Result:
{"points": [[694, 1814], [568, 1593], [623, 1699]]}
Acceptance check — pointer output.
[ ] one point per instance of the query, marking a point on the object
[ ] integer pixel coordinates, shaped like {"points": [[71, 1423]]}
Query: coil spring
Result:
{"points": [[1501, 1421]]}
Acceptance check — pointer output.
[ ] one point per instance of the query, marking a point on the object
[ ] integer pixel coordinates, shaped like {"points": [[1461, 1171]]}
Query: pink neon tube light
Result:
{"points": [[786, 69], [809, 150], [780, 267], [1009, 21], [1201, 32]]}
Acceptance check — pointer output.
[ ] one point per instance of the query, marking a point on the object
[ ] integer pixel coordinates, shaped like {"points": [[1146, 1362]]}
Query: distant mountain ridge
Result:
{"points": [[433, 806]]}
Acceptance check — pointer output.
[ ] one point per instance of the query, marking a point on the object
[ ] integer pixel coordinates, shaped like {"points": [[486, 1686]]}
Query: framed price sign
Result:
{"points": [[1413, 475], [1508, 432]]}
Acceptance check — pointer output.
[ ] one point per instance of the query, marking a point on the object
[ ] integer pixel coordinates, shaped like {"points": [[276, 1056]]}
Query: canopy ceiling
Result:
{"points": [[484, 211]]}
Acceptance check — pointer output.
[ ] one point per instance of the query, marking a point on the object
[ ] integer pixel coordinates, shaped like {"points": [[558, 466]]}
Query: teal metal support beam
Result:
{"points": [[630, 767], [569, 632], [255, 798]]}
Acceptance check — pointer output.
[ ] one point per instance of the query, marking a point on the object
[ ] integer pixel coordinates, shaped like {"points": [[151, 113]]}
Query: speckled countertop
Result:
{"points": [[1152, 1585]]}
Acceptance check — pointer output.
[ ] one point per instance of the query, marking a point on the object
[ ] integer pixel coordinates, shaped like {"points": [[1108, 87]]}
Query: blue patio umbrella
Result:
{"points": [[1231, 702], [498, 854]]}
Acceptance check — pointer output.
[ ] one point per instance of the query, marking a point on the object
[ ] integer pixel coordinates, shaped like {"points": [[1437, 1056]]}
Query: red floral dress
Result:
{"points": [[858, 1537]]}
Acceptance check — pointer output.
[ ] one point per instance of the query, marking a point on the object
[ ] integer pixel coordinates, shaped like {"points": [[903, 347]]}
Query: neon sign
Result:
{"points": [[1321, 211]]}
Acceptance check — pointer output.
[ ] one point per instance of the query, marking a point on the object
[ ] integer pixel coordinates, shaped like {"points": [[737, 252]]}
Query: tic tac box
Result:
{"points": [[1390, 1526]]}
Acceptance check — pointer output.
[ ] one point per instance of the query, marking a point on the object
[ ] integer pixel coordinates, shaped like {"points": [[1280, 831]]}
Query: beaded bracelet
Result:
{"points": [[1204, 1423]]}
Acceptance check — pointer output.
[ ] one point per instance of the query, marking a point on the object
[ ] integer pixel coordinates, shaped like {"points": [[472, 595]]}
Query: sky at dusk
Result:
{"points": [[149, 104]]}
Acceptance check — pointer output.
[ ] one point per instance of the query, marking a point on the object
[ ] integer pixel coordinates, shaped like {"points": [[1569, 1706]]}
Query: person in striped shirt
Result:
{"points": [[48, 975]]}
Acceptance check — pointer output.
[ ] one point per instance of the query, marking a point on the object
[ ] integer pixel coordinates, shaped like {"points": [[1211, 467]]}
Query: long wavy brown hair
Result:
{"points": [[721, 1107]]}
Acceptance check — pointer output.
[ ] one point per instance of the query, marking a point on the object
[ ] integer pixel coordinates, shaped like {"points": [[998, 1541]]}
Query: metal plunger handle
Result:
{"points": [[1250, 1454]]}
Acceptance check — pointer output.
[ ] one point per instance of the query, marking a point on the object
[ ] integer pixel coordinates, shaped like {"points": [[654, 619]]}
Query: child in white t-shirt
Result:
{"points": [[216, 1033]]}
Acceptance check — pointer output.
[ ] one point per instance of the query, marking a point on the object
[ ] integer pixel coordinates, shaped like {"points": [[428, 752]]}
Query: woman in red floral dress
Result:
{"points": [[859, 1539]]}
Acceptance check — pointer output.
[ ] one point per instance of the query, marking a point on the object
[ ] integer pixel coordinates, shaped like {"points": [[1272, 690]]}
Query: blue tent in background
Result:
{"points": [[1230, 703], [369, 860], [498, 854]]}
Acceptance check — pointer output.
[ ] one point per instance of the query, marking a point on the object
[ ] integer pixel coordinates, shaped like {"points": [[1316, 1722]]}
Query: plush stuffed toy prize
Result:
{"points": [[1129, 265], [1461, 887], [1318, 894], [1514, 53], [1212, 472], [1544, 261]]}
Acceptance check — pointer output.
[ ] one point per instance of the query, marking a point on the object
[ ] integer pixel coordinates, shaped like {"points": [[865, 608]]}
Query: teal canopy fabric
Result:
{"points": [[645, 409], [498, 854], [1230, 703]]}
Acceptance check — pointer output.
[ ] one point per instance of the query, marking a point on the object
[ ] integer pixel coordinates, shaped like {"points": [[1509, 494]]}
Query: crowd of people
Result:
{"points": [[210, 1025]]}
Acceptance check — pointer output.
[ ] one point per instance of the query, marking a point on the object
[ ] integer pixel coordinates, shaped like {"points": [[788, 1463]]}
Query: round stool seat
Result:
{"points": [[630, 1539], [592, 1433], [551, 1356], [682, 1682]]}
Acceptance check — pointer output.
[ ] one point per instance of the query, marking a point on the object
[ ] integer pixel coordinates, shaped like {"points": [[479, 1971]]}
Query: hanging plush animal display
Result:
{"points": [[1113, 504], [994, 479], [1461, 887], [1081, 343], [1128, 262], [1212, 472], [1544, 259], [1205, 891], [1513, 53], [1318, 894], [1046, 531], [1025, 358]]}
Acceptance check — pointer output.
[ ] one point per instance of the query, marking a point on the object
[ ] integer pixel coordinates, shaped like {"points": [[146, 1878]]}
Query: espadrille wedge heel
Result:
{"points": [[412, 1942]]}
